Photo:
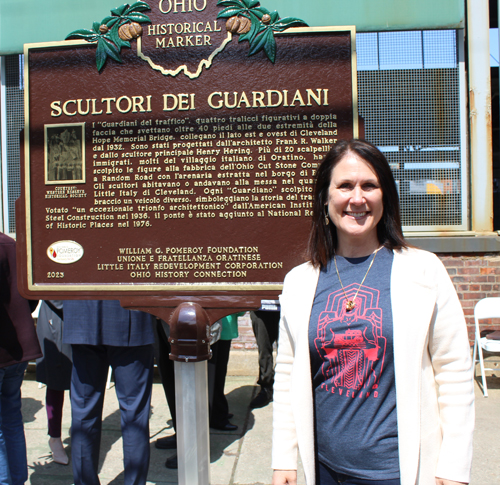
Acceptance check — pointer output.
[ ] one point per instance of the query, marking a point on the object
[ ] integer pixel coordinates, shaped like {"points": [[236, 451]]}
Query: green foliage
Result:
{"points": [[105, 33], [261, 33]]}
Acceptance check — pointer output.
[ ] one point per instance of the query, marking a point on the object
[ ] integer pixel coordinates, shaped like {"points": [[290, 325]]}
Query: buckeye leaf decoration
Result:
{"points": [[260, 33], [114, 32]]}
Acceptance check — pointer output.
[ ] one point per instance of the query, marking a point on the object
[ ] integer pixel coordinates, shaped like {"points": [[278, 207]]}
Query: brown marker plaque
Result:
{"points": [[184, 170]]}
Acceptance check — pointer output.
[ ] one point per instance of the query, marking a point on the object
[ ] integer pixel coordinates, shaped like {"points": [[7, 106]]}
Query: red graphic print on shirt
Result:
{"points": [[350, 343]]}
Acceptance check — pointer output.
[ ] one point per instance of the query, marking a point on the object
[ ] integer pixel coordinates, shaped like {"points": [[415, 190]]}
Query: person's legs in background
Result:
{"points": [[133, 369], [167, 374], [217, 371], [88, 383], [13, 461], [54, 401], [265, 325]]}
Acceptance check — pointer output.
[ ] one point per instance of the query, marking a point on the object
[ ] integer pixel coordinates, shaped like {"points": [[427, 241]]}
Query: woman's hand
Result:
{"points": [[285, 477], [443, 481]]}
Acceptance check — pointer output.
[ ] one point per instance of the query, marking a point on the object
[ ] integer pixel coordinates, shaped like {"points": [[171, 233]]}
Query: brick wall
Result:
{"points": [[246, 339], [474, 276]]}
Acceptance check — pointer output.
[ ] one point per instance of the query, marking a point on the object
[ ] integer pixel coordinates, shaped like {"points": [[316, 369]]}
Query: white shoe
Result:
{"points": [[58, 453]]}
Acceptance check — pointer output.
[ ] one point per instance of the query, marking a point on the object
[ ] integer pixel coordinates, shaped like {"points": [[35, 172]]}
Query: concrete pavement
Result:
{"points": [[242, 457]]}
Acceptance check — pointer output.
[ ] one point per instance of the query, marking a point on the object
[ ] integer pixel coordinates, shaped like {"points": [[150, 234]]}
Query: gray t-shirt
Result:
{"points": [[352, 365]]}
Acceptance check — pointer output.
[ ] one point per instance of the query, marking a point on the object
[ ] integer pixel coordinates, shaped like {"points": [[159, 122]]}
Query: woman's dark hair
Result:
{"points": [[323, 238]]}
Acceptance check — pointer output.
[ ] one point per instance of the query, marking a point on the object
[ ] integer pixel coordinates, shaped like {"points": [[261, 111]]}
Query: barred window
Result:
{"points": [[14, 107], [409, 95]]}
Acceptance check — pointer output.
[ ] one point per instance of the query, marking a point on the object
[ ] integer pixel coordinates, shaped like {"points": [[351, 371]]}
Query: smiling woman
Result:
{"points": [[355, 206], [372, 337], [356, 185]]}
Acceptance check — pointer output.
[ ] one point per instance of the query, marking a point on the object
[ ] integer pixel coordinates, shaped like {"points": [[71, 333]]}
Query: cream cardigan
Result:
{"points": [[434, 386]]}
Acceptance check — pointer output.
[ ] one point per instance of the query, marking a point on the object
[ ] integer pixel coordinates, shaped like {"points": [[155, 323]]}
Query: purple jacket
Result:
{"points": [[18, 340]]}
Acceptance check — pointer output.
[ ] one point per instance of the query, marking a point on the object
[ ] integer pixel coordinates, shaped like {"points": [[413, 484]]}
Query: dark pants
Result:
{"points": [[326, 476], [217, 370], [133, 370], [266, 328], [54, 401]]}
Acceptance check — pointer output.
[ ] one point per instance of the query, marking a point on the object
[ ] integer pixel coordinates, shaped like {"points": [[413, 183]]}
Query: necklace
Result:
{"points": [[350, 304]]}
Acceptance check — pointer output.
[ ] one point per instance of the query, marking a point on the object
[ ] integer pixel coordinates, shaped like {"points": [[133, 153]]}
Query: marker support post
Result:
{"points": [[190, 343]]}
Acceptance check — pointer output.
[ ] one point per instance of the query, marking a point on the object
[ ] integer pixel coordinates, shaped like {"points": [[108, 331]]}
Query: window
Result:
{"points": [[410, 96]]}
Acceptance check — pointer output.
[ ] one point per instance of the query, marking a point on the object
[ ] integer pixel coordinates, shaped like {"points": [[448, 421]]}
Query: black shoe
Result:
{"points": [[262, 399], [172, 462], [224, 427], [166, 443]]}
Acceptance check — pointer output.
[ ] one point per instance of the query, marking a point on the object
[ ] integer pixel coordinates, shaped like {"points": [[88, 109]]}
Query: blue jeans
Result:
{"points": [[13, 462]]}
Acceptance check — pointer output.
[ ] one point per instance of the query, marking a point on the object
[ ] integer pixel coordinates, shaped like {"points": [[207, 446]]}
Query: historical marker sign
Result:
{"points": [[188, 166]]}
